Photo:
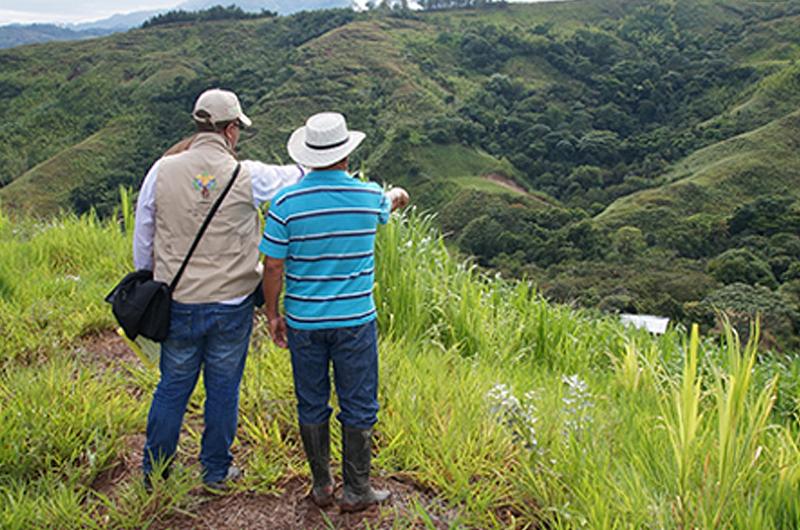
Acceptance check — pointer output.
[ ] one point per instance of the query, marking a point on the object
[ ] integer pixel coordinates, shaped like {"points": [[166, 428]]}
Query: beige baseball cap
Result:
{"points": [[217, 105]]}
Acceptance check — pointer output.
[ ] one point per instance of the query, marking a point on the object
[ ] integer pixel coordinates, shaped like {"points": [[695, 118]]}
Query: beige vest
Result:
{"points": [[225, 265]]}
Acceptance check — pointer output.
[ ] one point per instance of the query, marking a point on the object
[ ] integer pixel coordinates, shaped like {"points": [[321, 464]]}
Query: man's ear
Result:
{"points": [[228, 133]]}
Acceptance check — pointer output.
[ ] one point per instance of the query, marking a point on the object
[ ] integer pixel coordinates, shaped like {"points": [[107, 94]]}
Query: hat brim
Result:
{"points": [[316, 158], [243, 119]]}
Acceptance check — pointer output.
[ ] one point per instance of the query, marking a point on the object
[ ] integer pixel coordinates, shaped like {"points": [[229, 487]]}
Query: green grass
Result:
{"points": [[775, 96], [55, 275], [484, 184], [62, 425], [775, 40], [723, 176], [436, 173], [517, 413], [459, 161]]}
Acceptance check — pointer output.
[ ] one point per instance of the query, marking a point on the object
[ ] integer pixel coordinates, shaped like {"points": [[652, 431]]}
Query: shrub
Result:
{"points": [[742, 304], [618, 303], [764, 216], [629, 242], [741, 266], [482, 237], [792, 273]]}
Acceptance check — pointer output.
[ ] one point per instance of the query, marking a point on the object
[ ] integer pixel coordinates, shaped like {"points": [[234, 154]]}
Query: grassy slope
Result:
{"points": [[45, 188], [515, 413], [142, 65], [770, 49], [69, 93], [723, 176]]}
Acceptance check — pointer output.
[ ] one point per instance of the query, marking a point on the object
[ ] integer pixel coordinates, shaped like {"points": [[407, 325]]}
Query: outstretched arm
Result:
{"points": [[268, 180]]}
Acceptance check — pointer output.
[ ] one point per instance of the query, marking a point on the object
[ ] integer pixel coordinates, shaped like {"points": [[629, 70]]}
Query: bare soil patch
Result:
{"points": [[290, 510], [106, 350], [293, 510], [510, 184], [507, 183]]}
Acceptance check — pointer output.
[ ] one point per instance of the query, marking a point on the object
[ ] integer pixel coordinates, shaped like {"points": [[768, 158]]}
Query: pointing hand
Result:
{"points": [[399, 198]]}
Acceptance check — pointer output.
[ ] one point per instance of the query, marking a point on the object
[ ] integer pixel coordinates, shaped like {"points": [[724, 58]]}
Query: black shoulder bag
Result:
{"points": [[140, 304]]}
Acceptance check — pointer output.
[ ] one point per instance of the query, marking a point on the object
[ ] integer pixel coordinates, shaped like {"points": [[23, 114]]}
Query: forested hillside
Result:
{"points": [[635, 156]]}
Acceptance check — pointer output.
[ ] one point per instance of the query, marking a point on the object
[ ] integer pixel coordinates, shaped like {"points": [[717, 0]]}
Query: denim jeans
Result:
{"points": [[354, 354], [213, 338]]}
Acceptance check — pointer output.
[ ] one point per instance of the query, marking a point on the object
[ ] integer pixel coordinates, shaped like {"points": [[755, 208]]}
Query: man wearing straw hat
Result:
{"points": [[212, 309], [321, 234]]}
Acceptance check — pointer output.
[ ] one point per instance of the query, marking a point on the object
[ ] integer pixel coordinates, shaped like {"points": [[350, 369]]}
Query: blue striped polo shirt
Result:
{"points": [[324, 228]]}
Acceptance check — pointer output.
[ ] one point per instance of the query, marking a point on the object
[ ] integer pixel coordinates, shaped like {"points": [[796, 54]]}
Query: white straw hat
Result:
{"points": [[216, 106], [323, 141]]}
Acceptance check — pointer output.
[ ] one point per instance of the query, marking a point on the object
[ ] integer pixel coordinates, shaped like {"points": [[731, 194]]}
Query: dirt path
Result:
{"points": [[241, 509], [511, 185], [507, 183]]}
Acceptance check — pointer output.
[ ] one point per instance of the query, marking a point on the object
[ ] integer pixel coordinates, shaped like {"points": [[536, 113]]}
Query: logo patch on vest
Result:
{"points": [[205, 184]]}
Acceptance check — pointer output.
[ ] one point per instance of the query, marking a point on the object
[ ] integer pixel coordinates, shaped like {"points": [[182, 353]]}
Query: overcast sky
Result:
{"points": [[27, 11]]}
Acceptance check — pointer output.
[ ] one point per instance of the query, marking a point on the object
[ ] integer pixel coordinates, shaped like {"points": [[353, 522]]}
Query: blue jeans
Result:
{"points": [[214, 338], [354, 353]]}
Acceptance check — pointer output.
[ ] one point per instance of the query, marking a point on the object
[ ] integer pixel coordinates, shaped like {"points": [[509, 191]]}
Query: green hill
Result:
{"points": [[594, 146], [720, 178], [397, 76], [12, 35]]}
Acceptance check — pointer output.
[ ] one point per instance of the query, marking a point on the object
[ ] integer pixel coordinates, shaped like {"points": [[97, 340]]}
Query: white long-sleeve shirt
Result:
{"points": [[267, 181]]}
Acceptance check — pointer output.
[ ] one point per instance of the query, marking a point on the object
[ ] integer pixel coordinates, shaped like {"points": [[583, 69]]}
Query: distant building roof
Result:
{"points": [[653, 324]]}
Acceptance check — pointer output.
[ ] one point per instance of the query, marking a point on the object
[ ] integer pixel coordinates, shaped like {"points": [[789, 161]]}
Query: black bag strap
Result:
{"points": [[203, 228]]}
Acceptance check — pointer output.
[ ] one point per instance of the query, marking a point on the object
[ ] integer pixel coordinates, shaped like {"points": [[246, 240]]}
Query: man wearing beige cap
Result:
{"points": [[212, 309], [321, 233]]}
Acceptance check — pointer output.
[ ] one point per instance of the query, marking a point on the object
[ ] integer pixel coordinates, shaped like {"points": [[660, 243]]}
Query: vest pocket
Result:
{"points": [[221, 245], [212, 247]]}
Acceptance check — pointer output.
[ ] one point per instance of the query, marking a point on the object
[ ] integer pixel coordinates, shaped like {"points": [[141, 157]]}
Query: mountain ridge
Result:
{"points": [[12, 35]]}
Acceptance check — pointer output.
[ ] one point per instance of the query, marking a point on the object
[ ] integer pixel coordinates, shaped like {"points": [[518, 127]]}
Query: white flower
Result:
{"points": [[519, 418], [577, 406], [575, 382]]}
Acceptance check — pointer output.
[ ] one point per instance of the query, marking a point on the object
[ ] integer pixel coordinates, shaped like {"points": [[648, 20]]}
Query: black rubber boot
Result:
{"points": [[317, 443], [356, 463]]}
